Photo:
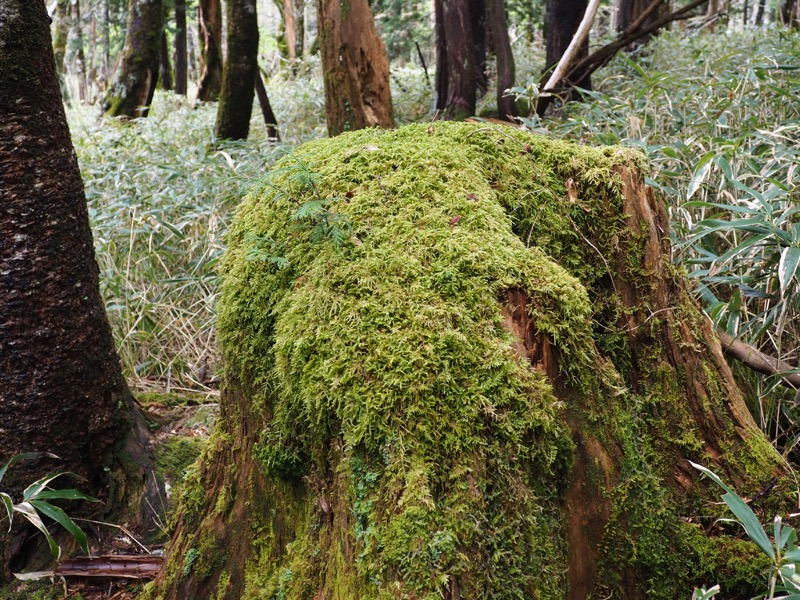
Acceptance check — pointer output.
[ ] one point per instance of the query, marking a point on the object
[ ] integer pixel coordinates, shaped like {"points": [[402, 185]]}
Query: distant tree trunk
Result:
{"points": [[266, 109], [745, 11], [790, 13], [478, 20], [209, 24], [628, 11], [455, 59], [711, 15], [76, 57], [61, 386], [563, 18], [63, 18], [164, 68], [106, 43], [238, 75], [357, 93], [180, 47], [289, 28], [506, 107], [134, 84], [762, 4]]}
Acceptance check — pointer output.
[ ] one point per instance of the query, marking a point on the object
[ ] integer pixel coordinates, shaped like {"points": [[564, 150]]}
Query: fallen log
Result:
{"points": [[141, 566]]}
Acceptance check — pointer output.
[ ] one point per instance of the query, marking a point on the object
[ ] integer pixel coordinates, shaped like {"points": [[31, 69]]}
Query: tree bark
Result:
{"points": [[61, 386], [762, 4], [77, 57], [628, 11], [506, 107], [266, 109], [289, 28], [563, 18], [384, 434], [209, 24], [180, 48], [239, 72], [164, 68], [63, 19], [135, 82], [357, 93], [455, 60]]}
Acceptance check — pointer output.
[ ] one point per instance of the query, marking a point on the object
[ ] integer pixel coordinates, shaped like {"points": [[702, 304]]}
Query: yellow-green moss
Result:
{"points": [[360, 313]]}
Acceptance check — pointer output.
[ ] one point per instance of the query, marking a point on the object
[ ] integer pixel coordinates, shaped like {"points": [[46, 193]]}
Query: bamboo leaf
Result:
{"points": [[60, 517], [790, 257]]}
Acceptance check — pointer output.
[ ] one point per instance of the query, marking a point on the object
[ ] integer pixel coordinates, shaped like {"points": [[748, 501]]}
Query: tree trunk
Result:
{"points": [[506, 108], [61, 387], [134, 84], [266, 109], [164, 68], [106, 43], [762, 4], [455, 59], [76, 58], [628, 11], [63, 18], [563, 18], [357, 93], [790, 13], [711, 15], [289, 28], [180, 47], [209, 24], [239, 73], [485, 385], [477, 20]]}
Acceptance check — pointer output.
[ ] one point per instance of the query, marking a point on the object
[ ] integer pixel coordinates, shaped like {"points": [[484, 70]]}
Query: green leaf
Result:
{"points": [[65, 495], [60, 517], [21, 457], [700, 172], [27, 510], [743, 513], [33, 490], [9, 504], [790, 257]]}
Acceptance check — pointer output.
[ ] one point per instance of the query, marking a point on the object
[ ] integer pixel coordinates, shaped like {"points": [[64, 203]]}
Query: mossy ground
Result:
{"points": [[404, 447]]}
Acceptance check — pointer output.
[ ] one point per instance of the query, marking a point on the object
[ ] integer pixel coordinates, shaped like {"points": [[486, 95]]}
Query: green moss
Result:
{"points": [[175, 455], [361, 315]]}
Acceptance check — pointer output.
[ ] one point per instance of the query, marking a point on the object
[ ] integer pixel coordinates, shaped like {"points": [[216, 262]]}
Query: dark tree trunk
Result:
{"points": [[790, 13], [628, 11], [480, 42], [266, 109], [563, 18], [209, 24], [180, 47], [164, 68], [61, 387], [135, 82], [762, 5], [384, 434], [455, 59], [76, 58], [357, 93], [506, 107], [239, 73]]}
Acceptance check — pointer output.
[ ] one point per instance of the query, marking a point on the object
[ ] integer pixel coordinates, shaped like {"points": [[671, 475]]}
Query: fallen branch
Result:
{"points": [[574, 46], [114, 565], [757, 360], [602, 56]]}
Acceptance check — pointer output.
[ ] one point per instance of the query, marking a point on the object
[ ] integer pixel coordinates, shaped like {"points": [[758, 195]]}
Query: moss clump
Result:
{"points": [[406, 449], [175, 455]]}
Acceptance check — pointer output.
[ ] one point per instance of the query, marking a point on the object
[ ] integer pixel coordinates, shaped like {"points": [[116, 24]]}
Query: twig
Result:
{"points": [[758, 361]]}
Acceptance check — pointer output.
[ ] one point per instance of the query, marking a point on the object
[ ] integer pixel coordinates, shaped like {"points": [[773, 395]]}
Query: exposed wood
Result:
{"points": [[758, 361], [357, 93], [141, 566]]}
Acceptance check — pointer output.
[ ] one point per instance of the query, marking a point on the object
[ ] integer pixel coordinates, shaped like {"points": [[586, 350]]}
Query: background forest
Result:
{"points": [[710, 94], [712, 101]]}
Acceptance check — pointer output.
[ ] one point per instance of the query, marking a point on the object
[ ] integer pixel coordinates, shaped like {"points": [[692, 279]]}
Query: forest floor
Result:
{"points": [[180, 425]]}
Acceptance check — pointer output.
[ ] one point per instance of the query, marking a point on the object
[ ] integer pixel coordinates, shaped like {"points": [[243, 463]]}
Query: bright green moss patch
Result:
{"points": [[406, 445]]}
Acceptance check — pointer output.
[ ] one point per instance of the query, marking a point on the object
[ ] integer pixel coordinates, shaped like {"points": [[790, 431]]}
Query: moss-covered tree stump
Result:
{"points": [[459, 364]]}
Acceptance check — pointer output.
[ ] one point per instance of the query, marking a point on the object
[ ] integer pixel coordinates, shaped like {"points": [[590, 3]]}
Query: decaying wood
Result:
{"points": [[757, 360], [139, 566]]}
